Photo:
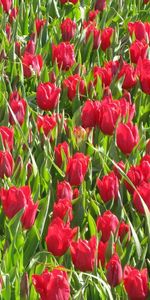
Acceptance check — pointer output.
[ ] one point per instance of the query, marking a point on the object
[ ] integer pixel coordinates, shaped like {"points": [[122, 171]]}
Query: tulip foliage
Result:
{"points": [[74, 149]]}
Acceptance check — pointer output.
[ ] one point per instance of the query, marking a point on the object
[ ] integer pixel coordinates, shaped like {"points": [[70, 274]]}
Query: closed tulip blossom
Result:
{"points": [[127, 137], [143, 68], [136, 177], [64, 190], [6, 164], [68, 29], [32, 64], [108, 116], [114, 271], [100, 5], [60, 150], [63, 209], [138, 49], [107, 224], [90, 113], [59, 237], [39, 24], [83, 254], [52, 285], [139, 30], [15, 199], [108, 187], [46, 123], [76, 168], [129, 76], [7, 135], [18, 108], [6, 4], [74, 85], [47, 95], [124, 231], [136, 283], [63, 54], [106, 37], [144, 191]]}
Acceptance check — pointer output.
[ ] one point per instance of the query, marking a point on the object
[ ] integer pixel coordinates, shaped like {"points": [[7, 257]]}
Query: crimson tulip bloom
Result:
{"points": [[144, 191], [136, 283], [114, 271], [52, 285], [83, 254], [124, 230], [102, 247], [15, 199], [30, 47], [139, 29], [68, 29], [138, 49], [127, 137], [59, 237], [7, 135], [108, 187], [63, 208], [129, 76], [13, 14], [63, 147], [64, 55], [39, 24], [74, 83], [136, 176], [6, 164], [143, 68], [108, 115], [18, 106], [47, 95], [100, 5], [96, 34], [47, 123], [106, 37], [107, 223], [32, 64], [104, 73], [6, 5], [64, 190], [90, 113], [117, 172], [77, 168]]}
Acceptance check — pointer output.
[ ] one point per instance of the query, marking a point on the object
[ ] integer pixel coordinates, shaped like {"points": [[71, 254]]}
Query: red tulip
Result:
{"points": [[7, 135], [93, 14], [83, 254], [106, 37], [114, 271], [15, 199], [136, 176], [52, 285], [127, 137], [138, 49], [129, 76], [18, 106], [108, 115], [63, 208], [30, 47], [71, 1], [64, 55], [117, 172], [47, 95], [60, 150], [64, 190], [13, 14], [74, 84], [144, 191], [143, 68], [6, 5], [108, 187], [124, 231], [107, 223], [136, 283], [102, 247], [100, 5], [138, 28], [105, 75], [89, 113], [32, 64], [91, 30], [59, 237], [6, 164], [46, 123], [39, 23], [77, 168], [68, 29]]}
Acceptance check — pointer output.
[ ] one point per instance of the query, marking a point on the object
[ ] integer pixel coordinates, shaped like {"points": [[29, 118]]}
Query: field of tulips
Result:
{"points": [[74, 149]]}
